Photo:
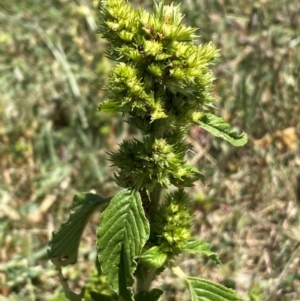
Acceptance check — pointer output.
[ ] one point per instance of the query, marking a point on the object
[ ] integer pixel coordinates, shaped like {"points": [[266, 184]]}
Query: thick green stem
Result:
{"points": [[144, 284], [155, 197]]}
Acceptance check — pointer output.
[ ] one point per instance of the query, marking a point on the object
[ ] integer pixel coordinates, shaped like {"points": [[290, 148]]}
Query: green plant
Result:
{"points": [[162, 85]]}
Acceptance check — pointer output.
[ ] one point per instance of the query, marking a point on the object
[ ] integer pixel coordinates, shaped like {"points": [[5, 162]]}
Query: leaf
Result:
{"points": [[122, 233], [200, 176], [205, 290], [126, 279], [153, 257], [71, 297], [109, 106], [59, 297], [197, 173], [201, 247], [74, 297], [64, 244], [219, 128], [101, 297], [152, 295]]}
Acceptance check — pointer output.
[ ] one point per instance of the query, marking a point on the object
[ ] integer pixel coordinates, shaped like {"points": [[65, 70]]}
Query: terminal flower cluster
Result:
{"points": [[161, 80]]}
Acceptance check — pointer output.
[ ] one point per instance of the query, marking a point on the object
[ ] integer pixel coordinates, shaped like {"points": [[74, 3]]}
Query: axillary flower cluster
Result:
{"points": [[162, 84]]}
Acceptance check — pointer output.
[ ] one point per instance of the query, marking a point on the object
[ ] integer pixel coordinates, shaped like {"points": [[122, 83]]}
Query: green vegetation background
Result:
{"points": [[53, 143]]}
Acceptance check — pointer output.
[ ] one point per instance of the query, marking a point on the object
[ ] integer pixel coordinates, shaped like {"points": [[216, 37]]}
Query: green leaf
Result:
{"points": [[197, 174], [153, 257], [200, 176], [125, 276], [101, 297], [109, 106], [71, 297], [74, 297], [59, 297], [152, 295], [64, 244], [205, 290], [201, 247], [219, 128], [122, 233]]}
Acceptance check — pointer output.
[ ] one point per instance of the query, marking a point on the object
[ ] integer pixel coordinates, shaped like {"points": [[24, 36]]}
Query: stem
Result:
{"points": [[144, 284], [155, 197], [64, 283], [178, 272]]}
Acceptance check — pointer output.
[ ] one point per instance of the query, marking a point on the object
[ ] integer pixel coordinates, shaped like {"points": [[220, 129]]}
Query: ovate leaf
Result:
{"points": [[152, 295], [219, 128], [64, 244], [201, 247], [205, 290], [153, 257], [122, 233]]}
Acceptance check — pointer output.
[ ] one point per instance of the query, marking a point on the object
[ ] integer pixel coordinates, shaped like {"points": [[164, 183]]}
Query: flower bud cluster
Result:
{"points": [[161, 73], [171, 228], [161, 80], [118, 22], [152, 162]]}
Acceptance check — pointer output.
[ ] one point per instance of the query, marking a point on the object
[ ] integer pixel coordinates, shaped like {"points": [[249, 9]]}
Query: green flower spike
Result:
{"points": [[161, 84], [172, 223]]}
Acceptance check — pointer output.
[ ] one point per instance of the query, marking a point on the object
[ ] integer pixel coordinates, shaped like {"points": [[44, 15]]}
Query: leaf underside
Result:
{"points": [[202, 247], [219, 128], [205, 290]]}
